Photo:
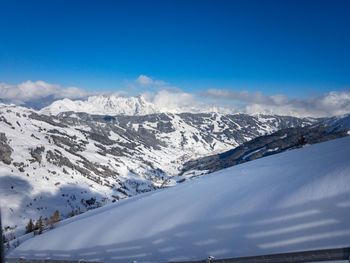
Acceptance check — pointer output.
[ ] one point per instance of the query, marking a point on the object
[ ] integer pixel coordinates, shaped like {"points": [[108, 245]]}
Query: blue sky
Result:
{"points": [[271, 45], [295, 48]]}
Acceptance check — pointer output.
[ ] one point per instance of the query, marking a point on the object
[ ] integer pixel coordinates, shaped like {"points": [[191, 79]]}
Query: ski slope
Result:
{"points": [[297, 200]]}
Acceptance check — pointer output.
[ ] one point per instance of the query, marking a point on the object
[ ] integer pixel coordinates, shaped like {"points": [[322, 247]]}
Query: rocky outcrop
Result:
{"points": [[36, 153], [5, 150]]}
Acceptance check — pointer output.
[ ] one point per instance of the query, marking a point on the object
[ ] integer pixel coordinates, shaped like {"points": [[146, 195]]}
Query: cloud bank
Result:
{"points": [[39, 94], [147, 81], [328, 104], [171, 100]]}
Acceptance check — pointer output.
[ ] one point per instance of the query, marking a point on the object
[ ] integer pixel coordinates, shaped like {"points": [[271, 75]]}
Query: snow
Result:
{"points": [[111, 105], [42, 187], [115, 105], [296, 200], [344, 122], [284, 136], [253, 152]]}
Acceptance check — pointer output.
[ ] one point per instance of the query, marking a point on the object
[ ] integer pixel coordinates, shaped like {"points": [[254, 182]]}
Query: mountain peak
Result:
{"points": [[116, 105], [103, 104]]}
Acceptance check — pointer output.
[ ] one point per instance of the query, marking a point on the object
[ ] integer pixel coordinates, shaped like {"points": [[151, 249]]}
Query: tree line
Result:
{"points": [[39, 227]]}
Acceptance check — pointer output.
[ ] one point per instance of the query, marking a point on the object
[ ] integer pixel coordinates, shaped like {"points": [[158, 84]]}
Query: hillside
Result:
{"points": [[296, 200], [277, 142], [78, 161]]}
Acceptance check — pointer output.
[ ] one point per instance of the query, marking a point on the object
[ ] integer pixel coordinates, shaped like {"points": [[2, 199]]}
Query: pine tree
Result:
{"points": [[53, 219], [39, 226], [30, 226], [36, 226], [56, 217], [72, 213], [301, 141]]}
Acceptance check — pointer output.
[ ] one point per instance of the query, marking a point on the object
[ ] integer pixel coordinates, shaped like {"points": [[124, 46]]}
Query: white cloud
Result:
{"points": [[144, 80], [39, 92], [328, 104], [147, 81], [245, 96], [175, 100], [168, 98]]}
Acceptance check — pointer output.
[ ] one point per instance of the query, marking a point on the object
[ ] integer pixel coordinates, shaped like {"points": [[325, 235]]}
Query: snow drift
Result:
{"points": [[297, 200]]}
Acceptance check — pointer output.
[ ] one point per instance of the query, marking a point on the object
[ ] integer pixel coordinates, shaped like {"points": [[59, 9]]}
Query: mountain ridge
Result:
{"points": [[103, 105], [81, 161], [276, 142], [133, 105]]}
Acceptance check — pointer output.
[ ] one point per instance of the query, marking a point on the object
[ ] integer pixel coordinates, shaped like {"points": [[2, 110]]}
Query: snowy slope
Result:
{"points": [[280, 141], [296, 200], [340, 122], [30, 185], [61, 162]]}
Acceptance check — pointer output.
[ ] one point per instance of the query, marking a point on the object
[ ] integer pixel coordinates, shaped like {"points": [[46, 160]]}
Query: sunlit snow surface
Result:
{"points": [[297, 200]]}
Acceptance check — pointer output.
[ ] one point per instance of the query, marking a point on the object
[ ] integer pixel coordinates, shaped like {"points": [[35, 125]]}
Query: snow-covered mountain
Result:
{"points": [[105, 105], [78, 161], [339, 123], [116, 105], [296, 200]]}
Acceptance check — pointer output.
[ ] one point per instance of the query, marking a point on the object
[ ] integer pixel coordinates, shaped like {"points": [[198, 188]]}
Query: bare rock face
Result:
{"points": [[36, 153], [5, 150]]}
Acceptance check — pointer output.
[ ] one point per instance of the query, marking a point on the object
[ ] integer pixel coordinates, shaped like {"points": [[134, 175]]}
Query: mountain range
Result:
{"points": [[103, 105], [76, 156]]}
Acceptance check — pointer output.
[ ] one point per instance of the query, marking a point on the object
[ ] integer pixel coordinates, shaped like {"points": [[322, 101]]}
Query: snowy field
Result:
{"points": [[297, 200]]}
